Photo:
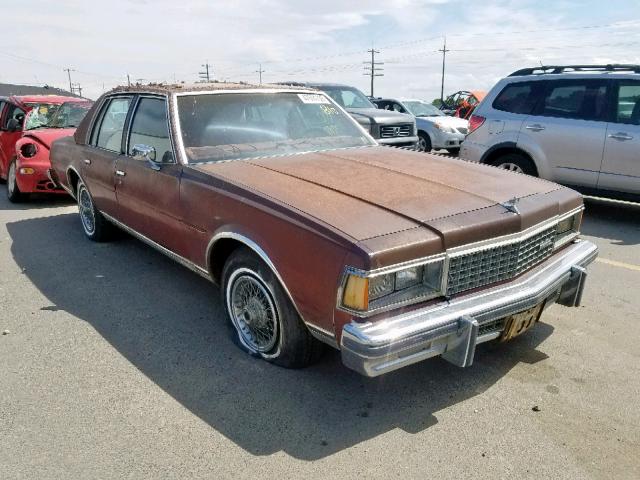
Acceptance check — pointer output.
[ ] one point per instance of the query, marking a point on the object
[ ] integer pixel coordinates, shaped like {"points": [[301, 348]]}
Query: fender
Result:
{"points": [[318, 332], [497, 146]]}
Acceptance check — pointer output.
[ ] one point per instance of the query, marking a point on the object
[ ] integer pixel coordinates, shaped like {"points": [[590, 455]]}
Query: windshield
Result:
{"points": [[348, 97], [40, 115], [422, 109], [69, 115], [229, 126]]}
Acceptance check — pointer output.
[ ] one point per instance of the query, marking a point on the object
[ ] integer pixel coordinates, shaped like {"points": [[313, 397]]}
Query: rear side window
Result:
{"points": [[628, 103], [580, 100], [518, 98], [108, 131]]}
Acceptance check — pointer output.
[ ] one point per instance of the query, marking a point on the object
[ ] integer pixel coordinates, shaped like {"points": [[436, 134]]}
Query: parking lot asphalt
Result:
{"points": [[117, 363]]}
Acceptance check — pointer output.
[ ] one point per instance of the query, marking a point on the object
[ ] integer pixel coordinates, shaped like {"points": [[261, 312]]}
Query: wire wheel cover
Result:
{"points": [[85, 205], [254, 313]]}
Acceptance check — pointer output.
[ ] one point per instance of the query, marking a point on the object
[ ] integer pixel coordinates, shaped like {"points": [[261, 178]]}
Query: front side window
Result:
{"points": [[108, 131], [518, 98], [13, 112], [581, 100], [628, 103], [227, 126], [149, 127]]}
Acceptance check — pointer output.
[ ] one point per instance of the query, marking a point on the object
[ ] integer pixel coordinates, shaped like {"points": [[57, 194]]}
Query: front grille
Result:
{"points": [[463, 130], [391, 131], [502, 262]]}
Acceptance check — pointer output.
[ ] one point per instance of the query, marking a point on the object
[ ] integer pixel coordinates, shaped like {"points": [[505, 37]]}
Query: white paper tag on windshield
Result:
{"points": [[313, 98]]}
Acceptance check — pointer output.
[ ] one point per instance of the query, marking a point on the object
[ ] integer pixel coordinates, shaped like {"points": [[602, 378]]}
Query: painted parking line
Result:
{"points": [[628, 266]]}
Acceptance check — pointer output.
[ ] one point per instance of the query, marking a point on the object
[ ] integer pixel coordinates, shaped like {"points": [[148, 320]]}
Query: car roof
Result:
{"points": [[184, 88], [316, 84], [56, 99]]}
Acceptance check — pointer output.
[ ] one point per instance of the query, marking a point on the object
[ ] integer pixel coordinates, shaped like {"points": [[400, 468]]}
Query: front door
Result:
{"points": [[621, 161], [98, 166], [568, 128], [148, 192], [8, 139]]}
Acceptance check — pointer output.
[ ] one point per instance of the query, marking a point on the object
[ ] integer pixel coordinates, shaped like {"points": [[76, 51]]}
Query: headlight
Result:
{"points": [[568, 228], [28, 150], [365, 292], [444, 128]]}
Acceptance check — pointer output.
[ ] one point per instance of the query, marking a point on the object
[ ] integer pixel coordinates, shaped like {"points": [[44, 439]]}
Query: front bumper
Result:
{"points": [[398, 141], [453, 328], [36, 182], [446, 140]]}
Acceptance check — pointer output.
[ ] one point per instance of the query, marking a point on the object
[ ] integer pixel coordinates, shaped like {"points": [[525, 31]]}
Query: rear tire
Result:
{"points": [[515, 162], [13, 192], [94, 225], [264, 321], [424, 142]]}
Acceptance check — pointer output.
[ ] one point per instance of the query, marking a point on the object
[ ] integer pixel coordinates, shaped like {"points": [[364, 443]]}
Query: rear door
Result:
{"points": [[8, 139], [621, 161], [106, 147], [149, 193], [567, 130]]}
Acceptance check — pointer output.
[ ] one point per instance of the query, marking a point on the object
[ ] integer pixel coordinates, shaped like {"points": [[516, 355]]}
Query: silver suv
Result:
{"points": [[577, 125]]}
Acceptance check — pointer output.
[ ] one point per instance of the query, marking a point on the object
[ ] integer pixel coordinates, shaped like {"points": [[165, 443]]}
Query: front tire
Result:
{"points": [[424, 142], [264, 321], [94, 225], [515, 162], [13, 192]]}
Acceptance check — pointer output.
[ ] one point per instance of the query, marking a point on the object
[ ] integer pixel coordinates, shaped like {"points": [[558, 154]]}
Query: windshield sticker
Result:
{"points": [[330, 110], [313, 98]]}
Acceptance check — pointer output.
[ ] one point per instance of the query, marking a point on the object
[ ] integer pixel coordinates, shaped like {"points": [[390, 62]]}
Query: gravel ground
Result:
{"points": [[117, 363]]}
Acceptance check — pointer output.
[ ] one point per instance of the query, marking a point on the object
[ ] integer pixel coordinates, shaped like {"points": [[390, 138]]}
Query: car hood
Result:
{"points": [[46, 136], [447, 121], [375, 115], [383, 197]]}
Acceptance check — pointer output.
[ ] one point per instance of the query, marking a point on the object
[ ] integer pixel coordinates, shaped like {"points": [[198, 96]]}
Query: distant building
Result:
{"points": [[7, 89]]}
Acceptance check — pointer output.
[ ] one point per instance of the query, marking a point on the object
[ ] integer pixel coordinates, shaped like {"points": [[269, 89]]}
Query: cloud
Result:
{"points": [[162, 39]]}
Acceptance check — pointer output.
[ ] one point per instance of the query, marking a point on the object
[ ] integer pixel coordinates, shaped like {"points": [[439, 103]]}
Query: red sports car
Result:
{"points": [[28, 126]]}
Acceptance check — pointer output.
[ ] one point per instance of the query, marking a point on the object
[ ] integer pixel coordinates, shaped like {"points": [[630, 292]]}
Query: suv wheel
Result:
{"points": [[424, 142], [515, 162], [265, 323]]}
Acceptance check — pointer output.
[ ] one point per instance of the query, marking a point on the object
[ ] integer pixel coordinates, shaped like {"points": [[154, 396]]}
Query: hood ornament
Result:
{"points": [[512, 205]]}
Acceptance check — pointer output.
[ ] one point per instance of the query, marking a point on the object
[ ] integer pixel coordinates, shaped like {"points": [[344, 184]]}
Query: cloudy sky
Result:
{"points": [[165, 40]]}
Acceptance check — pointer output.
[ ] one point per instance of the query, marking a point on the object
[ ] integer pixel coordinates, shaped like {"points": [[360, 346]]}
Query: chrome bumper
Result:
{"points": [[453, 328]]}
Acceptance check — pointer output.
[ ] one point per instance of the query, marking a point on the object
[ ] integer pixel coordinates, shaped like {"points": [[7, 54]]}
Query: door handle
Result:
{"points": [[620, 136], [535, 127], [87, 161], [120, 173]]}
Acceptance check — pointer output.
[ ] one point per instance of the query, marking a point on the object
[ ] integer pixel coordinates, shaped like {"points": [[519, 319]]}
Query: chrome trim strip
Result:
{"points": [[265, 258], [446, 256], [173, 256]]}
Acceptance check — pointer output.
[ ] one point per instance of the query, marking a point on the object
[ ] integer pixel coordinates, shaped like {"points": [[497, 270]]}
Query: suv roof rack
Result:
{"points": [[556, 69]]}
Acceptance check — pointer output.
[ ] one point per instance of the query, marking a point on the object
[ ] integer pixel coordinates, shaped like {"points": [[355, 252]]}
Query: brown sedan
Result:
{"points": [[316, 234]]}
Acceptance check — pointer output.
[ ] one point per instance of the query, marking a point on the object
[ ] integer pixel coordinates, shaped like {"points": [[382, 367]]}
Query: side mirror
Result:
{"points": [[14, 125], [146, 152]]}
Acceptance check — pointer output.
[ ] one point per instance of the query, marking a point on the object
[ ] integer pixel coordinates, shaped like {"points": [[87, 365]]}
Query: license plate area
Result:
{"points": [[518, 323]]}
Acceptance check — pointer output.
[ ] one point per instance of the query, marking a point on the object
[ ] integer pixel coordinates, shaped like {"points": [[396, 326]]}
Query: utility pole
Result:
{"points": [[260, 71], [204, 76], [128, 80], [372, 67], [444, 58], [69, 70]]}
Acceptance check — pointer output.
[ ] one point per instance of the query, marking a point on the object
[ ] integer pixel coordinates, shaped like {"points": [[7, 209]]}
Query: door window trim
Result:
{"points": [[99, 118], [132, 111]]}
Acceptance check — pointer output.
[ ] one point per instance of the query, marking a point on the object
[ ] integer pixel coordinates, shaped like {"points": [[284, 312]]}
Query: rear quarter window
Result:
{"points": [[518, 97]]}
